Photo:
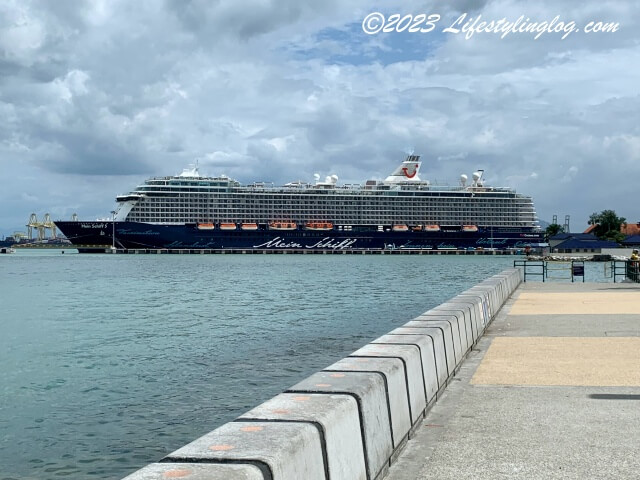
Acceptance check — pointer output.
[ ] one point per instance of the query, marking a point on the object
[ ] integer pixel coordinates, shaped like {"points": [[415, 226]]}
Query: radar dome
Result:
{"points": [[334, 178], [476, 176], [463, 179]]}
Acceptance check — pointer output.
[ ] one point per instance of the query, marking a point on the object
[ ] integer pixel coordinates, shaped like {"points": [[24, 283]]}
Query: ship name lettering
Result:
{"points": [[329, 242], [127, 231], [488, 241], [417, 246], [278, 243], [521, 244]]}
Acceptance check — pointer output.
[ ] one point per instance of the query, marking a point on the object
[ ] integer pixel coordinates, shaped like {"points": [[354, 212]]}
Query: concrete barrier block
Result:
{"points": [[410, 357], [286, 450], [497, 287], [477, 317], [463, 312], [490, 295], [369, 392], [483, 305], [425, 345], [442, 346], [338, 418], [197, 471], [474, 315], [499, 284], [451, 336], [458, 345], [392, 369], [514, 278]]}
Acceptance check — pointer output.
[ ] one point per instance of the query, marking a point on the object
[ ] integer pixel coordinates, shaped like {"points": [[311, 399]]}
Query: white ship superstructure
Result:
{"points": [[402, 198]]}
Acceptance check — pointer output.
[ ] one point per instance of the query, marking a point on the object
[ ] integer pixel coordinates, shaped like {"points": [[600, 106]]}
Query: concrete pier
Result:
{"points": [[355, 418], [552, 391]]}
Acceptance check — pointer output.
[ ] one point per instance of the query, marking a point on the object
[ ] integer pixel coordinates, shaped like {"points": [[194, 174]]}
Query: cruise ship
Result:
{"points": [[194, 212]]}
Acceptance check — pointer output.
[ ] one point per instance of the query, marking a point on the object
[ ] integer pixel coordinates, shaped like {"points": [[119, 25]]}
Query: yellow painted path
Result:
{"points": [[571, 361], [587, 303], [568, 361]]}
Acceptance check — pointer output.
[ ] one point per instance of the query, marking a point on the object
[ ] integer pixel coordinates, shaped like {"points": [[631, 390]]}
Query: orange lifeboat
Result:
{"points": [[249, 226], [432, 228], [318, 226], [469, 228], [228, 226], [206, 226], [400, 228], [282, 225], [417, 228]]}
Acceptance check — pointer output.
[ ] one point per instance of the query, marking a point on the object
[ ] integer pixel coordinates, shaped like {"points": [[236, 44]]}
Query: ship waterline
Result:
{"points": [[135, 235], [190, 211]]}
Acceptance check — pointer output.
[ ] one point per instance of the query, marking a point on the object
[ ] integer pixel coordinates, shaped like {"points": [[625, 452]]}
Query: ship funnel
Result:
{"points": [[407, 172]]}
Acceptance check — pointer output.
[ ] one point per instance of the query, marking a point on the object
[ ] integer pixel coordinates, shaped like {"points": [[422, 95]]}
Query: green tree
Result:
{"points": [[552, 230], [608, 225]]}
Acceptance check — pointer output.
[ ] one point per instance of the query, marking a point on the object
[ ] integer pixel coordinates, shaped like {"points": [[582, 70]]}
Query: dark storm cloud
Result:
{"points": [[242, 20], [81, 153]]}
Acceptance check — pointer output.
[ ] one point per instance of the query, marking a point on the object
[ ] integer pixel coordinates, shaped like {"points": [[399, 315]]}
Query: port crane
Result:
{"points": [[41, 227]]}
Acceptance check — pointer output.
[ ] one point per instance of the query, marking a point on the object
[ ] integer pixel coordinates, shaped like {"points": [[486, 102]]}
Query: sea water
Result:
{"points": [[109, 362]]}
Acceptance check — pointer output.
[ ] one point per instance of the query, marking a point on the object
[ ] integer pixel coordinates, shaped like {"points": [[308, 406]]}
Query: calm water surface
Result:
{"points": [[110, 362]]}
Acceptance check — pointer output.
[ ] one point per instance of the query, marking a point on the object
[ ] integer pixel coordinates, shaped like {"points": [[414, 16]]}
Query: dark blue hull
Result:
{"points": [[131, 235]]}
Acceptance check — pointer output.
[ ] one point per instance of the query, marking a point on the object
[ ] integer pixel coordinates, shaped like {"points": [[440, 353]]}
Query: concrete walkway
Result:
{"points": [[552, 391]]}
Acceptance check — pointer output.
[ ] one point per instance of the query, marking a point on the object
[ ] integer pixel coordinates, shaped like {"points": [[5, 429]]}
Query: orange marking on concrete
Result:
{"points": [[221, 448], [177, 473], [254, 428], [302, 398], [337, 375], [281, 411], [323, 384]]}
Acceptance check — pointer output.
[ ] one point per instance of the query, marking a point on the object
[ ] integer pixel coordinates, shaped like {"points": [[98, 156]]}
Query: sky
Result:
{"points": [[96, 96]]}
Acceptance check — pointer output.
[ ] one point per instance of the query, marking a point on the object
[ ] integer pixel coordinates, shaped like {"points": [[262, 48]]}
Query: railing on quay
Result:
{"points": [[626, 269], [536, 268], [568, 270]]}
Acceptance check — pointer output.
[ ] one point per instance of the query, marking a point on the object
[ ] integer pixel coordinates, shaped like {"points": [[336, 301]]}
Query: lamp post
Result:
{"points": [[113, 230]]}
